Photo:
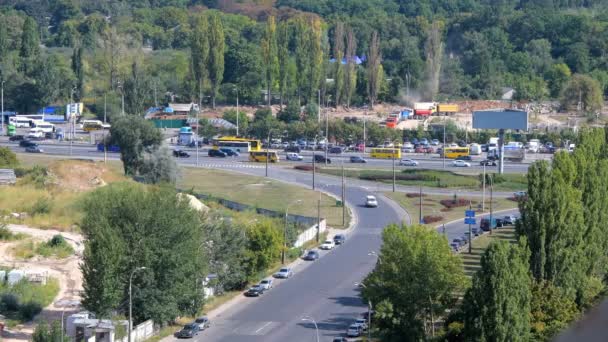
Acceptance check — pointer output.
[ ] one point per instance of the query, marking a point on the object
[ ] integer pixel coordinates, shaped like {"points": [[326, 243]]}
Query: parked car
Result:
{"points": [[229, 152], [362, 322], [217, 153], [424, 141], [466, 158], [339, 239], [311, 255], [486, 225], [357, 159], [520, 194], [188, 331], [34, 149], [266, 284], [293, 148], [293, 156], [487, 162], [339, 339], [354, 330], [203, 323], [475, 231], [371, 202], [27, 143], [455, 246], [16, 138], [283, 273], [460, 163], [327, 245], [181, 154], [255, 291], [408, 162], [509, 219], [434, 142], [499, 223], [321, 159], [335, 150]]}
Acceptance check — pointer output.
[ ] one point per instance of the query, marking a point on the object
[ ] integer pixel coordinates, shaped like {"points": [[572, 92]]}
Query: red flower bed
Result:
{"points": [[432, 218], [459, 202], [414, 195]]}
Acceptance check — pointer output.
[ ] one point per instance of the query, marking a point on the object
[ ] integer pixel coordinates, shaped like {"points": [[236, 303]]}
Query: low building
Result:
{"points": [[7, 177]]}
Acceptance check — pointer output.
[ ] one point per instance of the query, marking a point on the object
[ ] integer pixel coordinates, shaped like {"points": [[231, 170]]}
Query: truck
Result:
{"points": [[492, 144], [475, 149], [511, 153], [447, 108], [391, 122], [424, 109], [533, 145]]}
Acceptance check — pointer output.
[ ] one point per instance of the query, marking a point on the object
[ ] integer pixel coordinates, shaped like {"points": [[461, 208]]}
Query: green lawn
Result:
{"points": [[431, 206], [470, 262], [432, 178], [262, 193]]}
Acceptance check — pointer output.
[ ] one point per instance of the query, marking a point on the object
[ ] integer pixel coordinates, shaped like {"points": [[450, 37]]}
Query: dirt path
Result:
{"points": [[66, 271]]}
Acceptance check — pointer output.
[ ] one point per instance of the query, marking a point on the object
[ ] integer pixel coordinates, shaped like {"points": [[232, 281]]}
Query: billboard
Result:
{"points": [[73, 109], [500, 119]]}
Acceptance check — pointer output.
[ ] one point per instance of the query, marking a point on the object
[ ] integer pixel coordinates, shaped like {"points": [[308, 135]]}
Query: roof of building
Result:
{"points": [[7, 177]]}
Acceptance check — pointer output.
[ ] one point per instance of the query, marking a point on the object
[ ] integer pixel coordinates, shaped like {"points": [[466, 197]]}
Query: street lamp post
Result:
{"points": [[369, 311], [236, 89], [443, 148], [72, 130], [310, 319], [285, 230], [130, 299], [2, 100], [267, 151]]}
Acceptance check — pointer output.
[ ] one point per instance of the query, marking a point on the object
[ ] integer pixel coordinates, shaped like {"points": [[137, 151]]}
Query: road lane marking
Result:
{"points": [[262, 328]]}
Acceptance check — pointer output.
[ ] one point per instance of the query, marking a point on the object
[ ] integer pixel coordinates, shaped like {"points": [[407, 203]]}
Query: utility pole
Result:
{"points": [[369, 320], [491, 199], [2, 101], [394, 177], [364, 129], [319, 109], [313, 167], [237, 110], [326, 134], [105, 108], [443, 148], [319, 217], [198, 123], [71, 119], [343, 198], [470, 233], [420, 206], [483, 193]]}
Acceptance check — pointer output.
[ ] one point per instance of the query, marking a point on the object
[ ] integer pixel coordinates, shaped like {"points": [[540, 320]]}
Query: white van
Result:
{"points": [[475, 149], [45, 127], [35, 133], [19, 122]]}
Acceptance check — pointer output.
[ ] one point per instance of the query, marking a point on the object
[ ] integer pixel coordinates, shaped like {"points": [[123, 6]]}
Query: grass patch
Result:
{"points": [[7, 235], [471, 262], [262, 193], [433, 178], [432, 207], [56, 247], [24, 300]]}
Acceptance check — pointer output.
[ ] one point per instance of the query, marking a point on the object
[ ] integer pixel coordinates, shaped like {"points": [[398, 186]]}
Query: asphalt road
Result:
{"points": [[458, 229]]}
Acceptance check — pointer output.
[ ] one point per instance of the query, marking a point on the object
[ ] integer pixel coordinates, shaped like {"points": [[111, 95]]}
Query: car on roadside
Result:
{"points": [[339, 239], [311, 255], [357, 159], [509, 219], [181, 154], [230, 153], [327, 245], [16, 138], [475, 231], [293, 156], [283, 273], [216, 153], [520, 194], [336, 150], [465, 158], [188, 331], [27, 143], [460, 163], [499, 223], [408, 162], [435, 142], [318, 158], [266, 284], [293, 148], [354, 330], [371, 201], [203, 323], [488, 162], [454, 246], [339, 339], [34, 149], [255, 291], [362, 322]]}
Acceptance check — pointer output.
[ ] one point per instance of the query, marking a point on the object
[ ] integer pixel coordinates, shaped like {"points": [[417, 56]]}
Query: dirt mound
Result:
{"points": [[82, 175]]}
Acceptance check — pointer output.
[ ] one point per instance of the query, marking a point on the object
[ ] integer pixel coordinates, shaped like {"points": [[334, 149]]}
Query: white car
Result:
{"points": [[284, 273], [354, 330], [371, 202], [266, 284], [35, 133], [460, 163], [408, 162], [362, 323], [519, 194], [294, 156], [328, 244]]}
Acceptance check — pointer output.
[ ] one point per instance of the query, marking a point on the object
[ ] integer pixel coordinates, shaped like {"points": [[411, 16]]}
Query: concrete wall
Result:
{"points": [[141, 332], [310, 233]]}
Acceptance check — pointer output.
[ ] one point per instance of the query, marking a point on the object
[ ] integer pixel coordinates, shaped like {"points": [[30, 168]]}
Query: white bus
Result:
{"points": [[236, 146], [20, 121], [45, 127]]}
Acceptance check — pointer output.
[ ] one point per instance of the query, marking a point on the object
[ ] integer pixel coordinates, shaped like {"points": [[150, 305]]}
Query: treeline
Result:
{"points": [[528, 290], [152, 53]]}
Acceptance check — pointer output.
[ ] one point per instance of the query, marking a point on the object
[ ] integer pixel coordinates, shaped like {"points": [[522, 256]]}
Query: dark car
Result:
{"points": [[181, 154], [340, 339], [230, 152], [465, 158], [34, 149], [293, 148], [484, 147], [321, 159], [217, 153], [339, 239], [487, 162], [16, 138], [335, 150], [311, 255], [188, 331], [499, 223], [27, 143], [484, 224], [255, 291], [194, 143], [357, 159], [475, 231]]}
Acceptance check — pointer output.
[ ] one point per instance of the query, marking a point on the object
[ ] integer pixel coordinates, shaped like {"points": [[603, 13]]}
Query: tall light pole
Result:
{"points": [[236, 89], [122, 96], [130, 299], [364, 128], [72, 118], [394, 176], [369, 310], [268, 152], [310, 319], [443, 149], [2, 100], [285, 230], [326, 134]]}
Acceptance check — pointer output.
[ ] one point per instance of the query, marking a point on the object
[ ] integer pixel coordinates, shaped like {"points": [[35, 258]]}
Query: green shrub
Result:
{"points": [[57, 240], [42, 206], [29, 310], [8, 159], [9, 302]]}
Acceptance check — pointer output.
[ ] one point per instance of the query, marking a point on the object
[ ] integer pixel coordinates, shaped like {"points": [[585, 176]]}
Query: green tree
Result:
{"points": [[283, 38], [4, 42], [199, 51], [134, 135], [159, 166], [78, 69], [495, 306], [230, 116], [558, 76], [584, 93], [415, 279], [216, 54], [43, 334], [265, 243], [137, 90], [551, 311], [338, 56], [8, 158], [374, 69], [290, 113], [129, 226], [270, 55], [350, 74], [30, 49]]}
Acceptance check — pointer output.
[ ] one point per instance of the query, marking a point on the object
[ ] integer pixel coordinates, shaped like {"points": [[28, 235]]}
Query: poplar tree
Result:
{"points": [[30, 49], [315, 57], [270, 55], [216, 54], [78, 69], [4, 43], [350, 79], [199, 51], [374, 69], [283, 37], [338, 56], [301, 56], [496, 306]]}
